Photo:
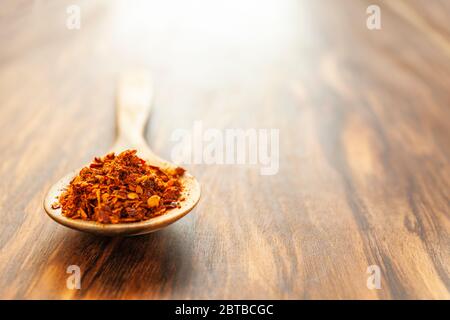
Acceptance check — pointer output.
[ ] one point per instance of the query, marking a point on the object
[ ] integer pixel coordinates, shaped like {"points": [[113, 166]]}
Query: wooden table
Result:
{"points": [[364, 142]]}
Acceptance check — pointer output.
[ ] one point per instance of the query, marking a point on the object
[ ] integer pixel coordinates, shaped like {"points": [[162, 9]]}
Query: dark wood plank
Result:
{"points": [[364, 147]]}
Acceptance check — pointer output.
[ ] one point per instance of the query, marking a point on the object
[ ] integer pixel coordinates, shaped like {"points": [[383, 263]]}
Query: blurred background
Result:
{"points": [[247, 61], [364, 145]]}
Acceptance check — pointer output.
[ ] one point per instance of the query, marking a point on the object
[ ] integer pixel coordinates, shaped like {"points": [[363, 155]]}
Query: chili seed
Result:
{"points": [[153, 201]]}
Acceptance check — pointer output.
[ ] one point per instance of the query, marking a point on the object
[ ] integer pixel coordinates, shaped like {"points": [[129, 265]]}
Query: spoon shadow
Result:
{"points": [[133, 267]]}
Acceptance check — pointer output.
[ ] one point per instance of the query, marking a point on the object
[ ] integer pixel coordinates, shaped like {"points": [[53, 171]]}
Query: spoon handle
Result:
{"points": [[134, 102]]}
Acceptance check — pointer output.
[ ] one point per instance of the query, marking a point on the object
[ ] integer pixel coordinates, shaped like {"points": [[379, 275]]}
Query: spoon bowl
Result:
{"points": [[133, 107], [191, 195]]}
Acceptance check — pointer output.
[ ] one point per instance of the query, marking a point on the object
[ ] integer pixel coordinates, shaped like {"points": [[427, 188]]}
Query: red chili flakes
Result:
{"points": [[121, 189]]}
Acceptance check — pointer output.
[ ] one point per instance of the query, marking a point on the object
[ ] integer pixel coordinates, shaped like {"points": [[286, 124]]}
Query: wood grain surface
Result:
{"points": [[364, 143]]}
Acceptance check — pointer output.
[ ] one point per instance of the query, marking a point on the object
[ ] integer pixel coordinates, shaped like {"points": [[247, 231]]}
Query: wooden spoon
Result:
{"points": [[133, 107]]}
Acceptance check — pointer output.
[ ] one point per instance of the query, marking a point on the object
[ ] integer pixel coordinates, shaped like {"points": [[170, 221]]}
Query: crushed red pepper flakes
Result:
{"points": [[121, 189]]}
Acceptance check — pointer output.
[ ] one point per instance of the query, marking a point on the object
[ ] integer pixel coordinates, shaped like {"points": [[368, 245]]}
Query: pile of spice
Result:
{"points": [[122, 188]]}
